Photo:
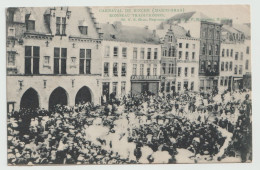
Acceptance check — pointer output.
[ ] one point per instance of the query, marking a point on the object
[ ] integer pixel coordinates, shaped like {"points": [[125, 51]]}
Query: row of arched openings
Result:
{"points": [[30, 98]]}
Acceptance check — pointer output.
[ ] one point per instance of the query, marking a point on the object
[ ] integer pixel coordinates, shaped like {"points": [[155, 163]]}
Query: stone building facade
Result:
{"points": [[52, 55]]}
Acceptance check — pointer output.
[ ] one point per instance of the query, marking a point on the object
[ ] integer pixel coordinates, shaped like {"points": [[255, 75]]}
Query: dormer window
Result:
{"points": [[30, 25], [83, 27], [83, 30], [60, 25]]}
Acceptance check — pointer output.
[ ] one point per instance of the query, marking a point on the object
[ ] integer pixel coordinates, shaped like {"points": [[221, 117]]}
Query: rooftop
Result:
{"points": [[119, 32]]}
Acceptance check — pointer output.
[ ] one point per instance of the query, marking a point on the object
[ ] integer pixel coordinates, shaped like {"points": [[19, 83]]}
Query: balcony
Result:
{"points": [[145, 77]]}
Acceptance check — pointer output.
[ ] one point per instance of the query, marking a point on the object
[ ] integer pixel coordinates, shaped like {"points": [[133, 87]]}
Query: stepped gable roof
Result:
{"points": [[119, 32], [177, 30]]}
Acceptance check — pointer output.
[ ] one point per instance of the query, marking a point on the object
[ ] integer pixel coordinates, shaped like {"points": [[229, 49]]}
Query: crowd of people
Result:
{"points": [[134, 129]]}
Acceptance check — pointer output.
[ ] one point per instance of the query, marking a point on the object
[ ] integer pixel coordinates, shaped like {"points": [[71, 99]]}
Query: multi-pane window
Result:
{"points": [[202, 66], [124, 52], [171, 68], [240, 69], [168, 86], [60, 25], [155, 69], [235, 69], [134, 69], [247, 50], [226, 66], [180, 45], [148, 70], [11, 58], [171, 51], [170, 38], [107, 51], [186, 72], [179, 71], [241, 56], [236, 56], [180, 55], [192, 71], [141, 69], [135, 53], [223, 52], [123, 84], [215, 66], [187, 45], [227, 52], [247, 64], [230, 65], [142, 53], [123, 71], [201, 84], [164, 52], [185, 85], [149, 53], [114, 88], [208, 85], [210, 49], [179, 86], [216, 49], [203, 49], [209, 65], [106, 69], [164, 68], [162, 86], [193, 55], [155, 53], [115, 69], [192, 86], [187, 55], [30, 25], [231, 53], [222, 81], [115, 51], [226, 80], [32, 59], [63, 26], [84, 61], [83, 30]]}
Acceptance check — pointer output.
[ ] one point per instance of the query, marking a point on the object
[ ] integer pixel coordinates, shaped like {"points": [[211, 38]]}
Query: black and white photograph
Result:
{"points": [[95, 85]]}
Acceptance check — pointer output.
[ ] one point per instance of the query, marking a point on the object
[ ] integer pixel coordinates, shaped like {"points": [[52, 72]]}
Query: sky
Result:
{"points": [[238, 13]]}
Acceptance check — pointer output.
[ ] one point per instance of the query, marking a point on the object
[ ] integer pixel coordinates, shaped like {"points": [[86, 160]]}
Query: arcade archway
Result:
{"points": [[30, 99], [58, 97], [83, 95]]}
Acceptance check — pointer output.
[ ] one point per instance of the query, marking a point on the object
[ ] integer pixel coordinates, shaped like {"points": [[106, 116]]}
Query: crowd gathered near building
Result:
{"points": [[180, 89]]}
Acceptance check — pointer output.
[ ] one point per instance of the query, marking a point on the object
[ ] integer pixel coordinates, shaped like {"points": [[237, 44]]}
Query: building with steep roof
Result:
{"points": [[53, 57], [130, 60], [200, 27], [180, 57], [235, 60]]}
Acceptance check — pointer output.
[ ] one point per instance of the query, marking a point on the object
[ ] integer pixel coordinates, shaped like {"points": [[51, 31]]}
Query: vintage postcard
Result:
{"points": [[128, 85]]}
